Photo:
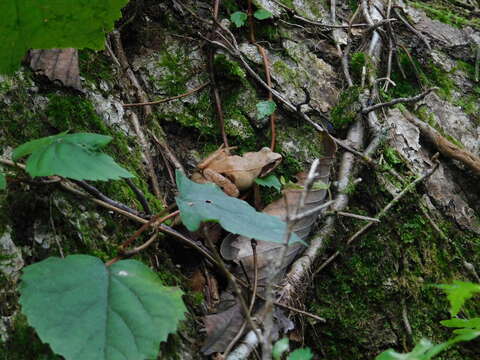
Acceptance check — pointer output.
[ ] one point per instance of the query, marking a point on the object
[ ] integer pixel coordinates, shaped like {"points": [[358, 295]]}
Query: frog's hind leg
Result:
{"points": [[225, 183]]}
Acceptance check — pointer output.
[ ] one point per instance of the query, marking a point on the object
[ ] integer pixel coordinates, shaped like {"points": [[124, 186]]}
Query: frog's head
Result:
{"points": [[271, 160], [252, 165]]}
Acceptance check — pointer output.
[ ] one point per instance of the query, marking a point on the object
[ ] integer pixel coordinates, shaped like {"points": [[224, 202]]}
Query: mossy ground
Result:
{"points": [[361, 293]]}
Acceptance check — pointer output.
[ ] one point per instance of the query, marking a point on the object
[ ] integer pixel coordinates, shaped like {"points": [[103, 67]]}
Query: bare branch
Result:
{"points": [[398, 101]]}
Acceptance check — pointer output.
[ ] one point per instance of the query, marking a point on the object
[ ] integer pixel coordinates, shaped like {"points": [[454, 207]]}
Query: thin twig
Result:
{"points": [[140, 196], [310, 212], [156, 102], [355, 216], [398, 101], [168, 152], [341, 26], [92, 190]]}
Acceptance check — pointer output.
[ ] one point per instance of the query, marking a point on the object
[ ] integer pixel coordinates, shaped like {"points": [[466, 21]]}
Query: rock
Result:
{"points": [[441, 185], [301, 76], [11, 261], [454, 122]]}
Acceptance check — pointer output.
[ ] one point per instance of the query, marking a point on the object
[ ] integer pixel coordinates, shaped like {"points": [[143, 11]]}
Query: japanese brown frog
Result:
{"points": [[235, 173]]}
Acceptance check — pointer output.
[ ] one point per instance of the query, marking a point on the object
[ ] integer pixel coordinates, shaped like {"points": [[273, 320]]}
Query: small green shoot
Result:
{"points": [[265, 108], [262, 14], [269, 181], [239, 18]]}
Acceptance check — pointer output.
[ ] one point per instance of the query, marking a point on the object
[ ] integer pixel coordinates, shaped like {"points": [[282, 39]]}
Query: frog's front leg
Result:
{"points": [[226, 184]]}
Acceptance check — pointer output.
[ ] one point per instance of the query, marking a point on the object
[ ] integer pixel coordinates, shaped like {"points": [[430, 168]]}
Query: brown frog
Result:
{"points": [[235, 173]]}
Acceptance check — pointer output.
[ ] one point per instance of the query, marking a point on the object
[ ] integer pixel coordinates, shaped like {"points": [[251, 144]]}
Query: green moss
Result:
{"points": [[19, 122], [446, 14], [467, 68], [95, 66], [353, 5], [419, 77], [267, 32], [73, 113], [230, 5], [178, 72], [23, 343], [392, 156], [228, 69], [345, 112], [357, 61], [285, 71], [434, 75]]}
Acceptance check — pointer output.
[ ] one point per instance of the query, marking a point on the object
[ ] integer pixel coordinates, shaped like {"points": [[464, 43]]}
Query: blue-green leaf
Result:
{"points": [[269, 181], [262, 14], [206, 202], [87, 311], [239, 18], [458, 293], [72, 156], [265, 108]]}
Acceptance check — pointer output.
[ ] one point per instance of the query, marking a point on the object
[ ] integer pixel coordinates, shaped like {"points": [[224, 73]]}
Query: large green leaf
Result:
{"points": [[43, 24], [73, 156], [458, 293], [87, 311], [206, 202]]}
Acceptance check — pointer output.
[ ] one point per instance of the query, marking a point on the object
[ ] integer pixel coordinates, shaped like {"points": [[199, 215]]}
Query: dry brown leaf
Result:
{"points": [[57, 65]]}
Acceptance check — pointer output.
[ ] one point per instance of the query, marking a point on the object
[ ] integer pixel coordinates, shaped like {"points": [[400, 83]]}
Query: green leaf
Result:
{"points": [[301, 354], [265, 108], [206, 202], [3, 181], [262, 14], [458, 293], [87, 311], [269, 181], [239, 18], [72, 156], [33, 24], [465, 335], [425, 350], [418, 353], [462, 323], [279, 348]]}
